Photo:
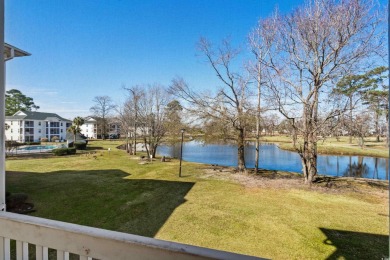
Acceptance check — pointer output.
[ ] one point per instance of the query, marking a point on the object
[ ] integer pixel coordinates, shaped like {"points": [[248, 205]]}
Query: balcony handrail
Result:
{"points": [[90, 242]]}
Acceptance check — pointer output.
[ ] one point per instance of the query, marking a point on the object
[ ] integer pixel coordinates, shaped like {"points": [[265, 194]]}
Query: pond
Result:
{"points": [[274, 158]]}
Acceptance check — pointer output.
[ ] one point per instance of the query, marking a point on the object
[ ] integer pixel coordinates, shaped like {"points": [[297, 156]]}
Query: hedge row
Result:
{"points": [[31, 143], [64, 151], [80, 145]]}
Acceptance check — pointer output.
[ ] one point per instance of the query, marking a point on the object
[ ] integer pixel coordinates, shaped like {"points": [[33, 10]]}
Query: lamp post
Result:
{"points": [[181, 149]]}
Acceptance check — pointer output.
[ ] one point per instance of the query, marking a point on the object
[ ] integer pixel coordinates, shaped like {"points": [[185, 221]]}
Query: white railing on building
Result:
{"points": [[90, 243]]}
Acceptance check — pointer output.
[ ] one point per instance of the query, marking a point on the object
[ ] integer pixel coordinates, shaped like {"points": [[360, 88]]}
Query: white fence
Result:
{"points": [[90, 243]]}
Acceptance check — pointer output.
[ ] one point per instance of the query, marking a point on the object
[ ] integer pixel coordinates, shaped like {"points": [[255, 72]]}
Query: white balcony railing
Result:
{"points": [[90, 243]]}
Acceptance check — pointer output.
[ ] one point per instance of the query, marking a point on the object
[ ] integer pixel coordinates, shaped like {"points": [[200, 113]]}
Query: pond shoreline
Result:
{"points": [[273, 157], [287, 180], [335, 152]]}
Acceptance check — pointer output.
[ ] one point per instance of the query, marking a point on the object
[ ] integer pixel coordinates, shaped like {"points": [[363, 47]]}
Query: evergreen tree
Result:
{"points": [[15, 100]]}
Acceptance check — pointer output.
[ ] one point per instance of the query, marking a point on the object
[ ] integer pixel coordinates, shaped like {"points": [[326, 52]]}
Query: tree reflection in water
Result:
{"points": [[359, 169]]}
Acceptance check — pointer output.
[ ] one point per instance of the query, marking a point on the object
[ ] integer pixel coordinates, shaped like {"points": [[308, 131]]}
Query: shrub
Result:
{"points": [[55, 138], [44, 139], [71, 150], [60, 151], [11, 145], [80, 145], [64, 151], [32, 143]]}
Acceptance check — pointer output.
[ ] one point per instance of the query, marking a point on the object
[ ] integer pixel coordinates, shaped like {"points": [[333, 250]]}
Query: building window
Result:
{"points": [[61, 130], [29, 131], [61, 123], [12, 130], [54, 131], [29, 124], [39, 123], [29, 138], [12, 122], [39, 130]]}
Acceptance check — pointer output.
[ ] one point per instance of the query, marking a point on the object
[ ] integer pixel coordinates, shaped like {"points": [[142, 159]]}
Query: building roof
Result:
{"points": [[11, 52], [79, 137], [89, 119], [30, 115]]}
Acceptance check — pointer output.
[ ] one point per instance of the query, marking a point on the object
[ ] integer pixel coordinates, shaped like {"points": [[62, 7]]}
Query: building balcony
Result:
{"points": [[89, 243]]}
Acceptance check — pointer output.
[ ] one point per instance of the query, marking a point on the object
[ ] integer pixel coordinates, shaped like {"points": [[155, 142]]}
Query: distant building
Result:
{"points": [[92, 127], [89, 128], [114, 128], [28, 126]]}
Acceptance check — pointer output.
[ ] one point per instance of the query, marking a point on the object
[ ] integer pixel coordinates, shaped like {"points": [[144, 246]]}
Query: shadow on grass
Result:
{"points": [[107, 199], [356, 245], [25, 156], [91, 148]]}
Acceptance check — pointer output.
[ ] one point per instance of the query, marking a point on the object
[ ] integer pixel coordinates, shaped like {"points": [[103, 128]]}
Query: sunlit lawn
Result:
{"points": [[115, 192], [338, 147]]}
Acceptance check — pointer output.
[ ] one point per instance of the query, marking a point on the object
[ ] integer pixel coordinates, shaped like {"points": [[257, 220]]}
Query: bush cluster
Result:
{"points": [[80, 145], [64, 151], [32, 143], [44, 139], [55, 138]]}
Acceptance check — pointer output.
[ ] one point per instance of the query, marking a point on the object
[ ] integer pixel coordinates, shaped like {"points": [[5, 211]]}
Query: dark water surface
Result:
{"points": [[273, 158]]}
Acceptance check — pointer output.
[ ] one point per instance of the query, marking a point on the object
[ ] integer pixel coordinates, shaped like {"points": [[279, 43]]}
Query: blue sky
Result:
{"points": [[84, 48]]}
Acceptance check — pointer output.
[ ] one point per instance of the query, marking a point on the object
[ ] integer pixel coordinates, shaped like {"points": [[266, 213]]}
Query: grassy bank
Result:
{"points": [[333, 146], [273, 218]]}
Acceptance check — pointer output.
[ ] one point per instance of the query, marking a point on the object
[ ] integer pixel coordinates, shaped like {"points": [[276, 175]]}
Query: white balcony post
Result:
{"points": [[2, 109]]}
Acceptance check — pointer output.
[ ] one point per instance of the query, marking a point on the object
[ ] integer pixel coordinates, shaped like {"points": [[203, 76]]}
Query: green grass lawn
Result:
{"points": [[113, 191]]}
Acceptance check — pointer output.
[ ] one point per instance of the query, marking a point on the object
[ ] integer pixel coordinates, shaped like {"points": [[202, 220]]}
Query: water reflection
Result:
{"points": [[273, 158], [360, 169]]}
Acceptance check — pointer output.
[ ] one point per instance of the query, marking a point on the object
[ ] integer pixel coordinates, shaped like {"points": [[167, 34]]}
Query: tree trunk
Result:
{"points": [[241, 151], [135, 138], [258, 123], [361, 143], [154, 151], [146, 147], [103, 129], [309, 150], [350, 119], [378, 135], [387, 126]]}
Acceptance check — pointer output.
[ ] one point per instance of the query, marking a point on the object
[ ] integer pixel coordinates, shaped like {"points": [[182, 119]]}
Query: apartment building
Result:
{"points": [[28, 126], [89, 128]]}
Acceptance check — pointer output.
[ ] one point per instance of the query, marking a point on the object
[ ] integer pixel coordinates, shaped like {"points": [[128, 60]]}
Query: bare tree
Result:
{"points": [[152, 116], [361, 127], [261, 41], [125, 119], [317, 44], [230, 104], [102, 109], [131, 112]]}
